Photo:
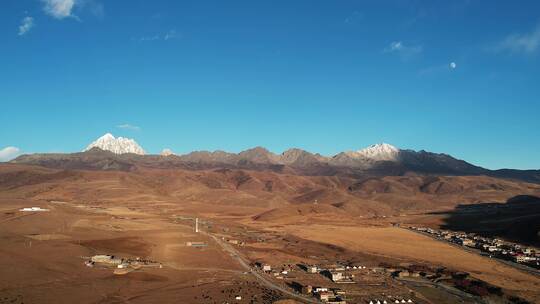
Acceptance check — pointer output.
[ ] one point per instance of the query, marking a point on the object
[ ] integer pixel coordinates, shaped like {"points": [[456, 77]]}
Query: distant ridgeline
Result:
{"points": [[110, 153]]}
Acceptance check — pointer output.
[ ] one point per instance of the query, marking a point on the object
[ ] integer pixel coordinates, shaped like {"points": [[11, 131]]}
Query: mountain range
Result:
{"points": [[110, 153]]}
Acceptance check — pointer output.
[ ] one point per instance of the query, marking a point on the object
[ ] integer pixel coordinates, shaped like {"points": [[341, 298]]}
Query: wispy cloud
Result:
{"points": [[353, 18], [171, 34], [128, 127], [59, 9], [520, 42], [26, 24], [436, 69], [404, 51], [149, 38], [9, 153], [93, 6]]}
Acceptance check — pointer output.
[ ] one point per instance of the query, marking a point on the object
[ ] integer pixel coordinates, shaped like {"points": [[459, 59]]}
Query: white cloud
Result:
{"points": [[59, 9], [403, 50], [354, 18], [128, 127], [149, 38], [26, 24], [520, 43], [167, 36], [170, 35], [395, 46], [9, 153]]}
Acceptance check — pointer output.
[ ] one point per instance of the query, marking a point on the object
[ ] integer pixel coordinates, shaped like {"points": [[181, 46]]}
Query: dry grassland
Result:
{"points": [[409, 246]]}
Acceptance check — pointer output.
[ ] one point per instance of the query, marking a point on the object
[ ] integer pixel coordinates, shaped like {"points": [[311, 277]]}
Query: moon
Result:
{"points": [[453, 65]]}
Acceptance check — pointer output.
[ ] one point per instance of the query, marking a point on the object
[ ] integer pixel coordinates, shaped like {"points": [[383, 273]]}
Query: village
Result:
{"points": [[341, 281], [491, 247], [120, 265], [333, 282], [337, 284]]}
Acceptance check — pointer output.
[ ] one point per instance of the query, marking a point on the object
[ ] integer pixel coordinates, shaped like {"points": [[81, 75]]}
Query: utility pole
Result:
{"points": [[196, 224]]}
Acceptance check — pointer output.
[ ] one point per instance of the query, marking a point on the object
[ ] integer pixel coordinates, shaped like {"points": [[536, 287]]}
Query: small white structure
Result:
{"points": [[89, 264], [106, 259], [123, 265], [336, 276], [238, 298], [33, 209], [267, 268]]}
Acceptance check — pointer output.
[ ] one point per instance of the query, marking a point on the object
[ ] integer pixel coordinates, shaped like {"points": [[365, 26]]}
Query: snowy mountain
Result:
{"points": [[166, 152], [379, 152], [119, 145], [367, 157]]}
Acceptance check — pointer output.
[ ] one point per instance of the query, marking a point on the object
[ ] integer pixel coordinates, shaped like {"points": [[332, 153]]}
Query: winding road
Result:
{"points": [[235, 255]]}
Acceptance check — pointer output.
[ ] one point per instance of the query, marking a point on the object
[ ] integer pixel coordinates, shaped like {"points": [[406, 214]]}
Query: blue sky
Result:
{"points": [[459, 77]]}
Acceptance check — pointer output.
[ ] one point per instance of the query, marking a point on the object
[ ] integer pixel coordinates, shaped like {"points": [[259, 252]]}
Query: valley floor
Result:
{"points": [[42, 257]]}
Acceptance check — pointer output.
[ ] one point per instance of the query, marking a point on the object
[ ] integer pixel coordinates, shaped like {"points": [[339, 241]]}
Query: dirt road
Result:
{"points": [[235, 255]]}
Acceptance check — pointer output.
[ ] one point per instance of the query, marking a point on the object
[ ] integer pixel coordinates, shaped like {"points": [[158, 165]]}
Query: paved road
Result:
{"points": [[234, 253]]}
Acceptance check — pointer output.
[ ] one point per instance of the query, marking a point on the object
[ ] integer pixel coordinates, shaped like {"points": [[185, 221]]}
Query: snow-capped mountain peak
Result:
{"points": [[380, 151], [107, 136], [166, 152], [119, 145]]}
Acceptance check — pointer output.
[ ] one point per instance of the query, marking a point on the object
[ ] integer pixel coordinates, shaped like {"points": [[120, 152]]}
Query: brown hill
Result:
{"points": [[252, 193], [292, 161]]}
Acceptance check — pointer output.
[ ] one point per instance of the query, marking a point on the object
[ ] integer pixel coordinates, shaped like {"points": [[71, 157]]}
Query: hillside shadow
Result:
{"points": [[517, 220]]}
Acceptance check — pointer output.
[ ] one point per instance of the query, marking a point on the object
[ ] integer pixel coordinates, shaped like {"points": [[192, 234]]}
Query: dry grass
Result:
{"points": [[410, 246]]}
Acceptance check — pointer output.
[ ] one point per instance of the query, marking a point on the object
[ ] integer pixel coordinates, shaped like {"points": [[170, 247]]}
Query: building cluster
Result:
{"points": [[278, 273], [326, 295], [122, 265], [235, 242], [390, 301], [337, 274], [492, 246]]}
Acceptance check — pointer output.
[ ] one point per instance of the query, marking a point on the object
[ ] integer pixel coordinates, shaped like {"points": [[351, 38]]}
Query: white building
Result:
{"points": [[312, 269], [336, 276], [33, 209]]}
